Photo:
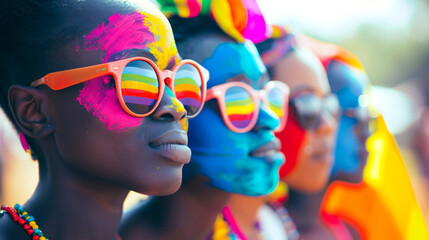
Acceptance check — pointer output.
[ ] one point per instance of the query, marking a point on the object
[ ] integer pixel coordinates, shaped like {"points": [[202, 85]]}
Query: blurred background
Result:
{"points": [[390, 37]]}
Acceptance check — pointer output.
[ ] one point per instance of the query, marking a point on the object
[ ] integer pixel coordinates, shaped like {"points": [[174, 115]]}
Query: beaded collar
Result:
{"points": [[24, 219], [27, 221]]}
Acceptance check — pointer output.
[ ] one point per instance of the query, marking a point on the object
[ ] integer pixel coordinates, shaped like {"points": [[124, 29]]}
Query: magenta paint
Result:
{"points": [[101, 100], [121, 32]]}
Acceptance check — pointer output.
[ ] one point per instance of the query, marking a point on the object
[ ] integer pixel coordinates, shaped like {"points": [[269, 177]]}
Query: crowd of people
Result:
{"points": [[234, 127]]}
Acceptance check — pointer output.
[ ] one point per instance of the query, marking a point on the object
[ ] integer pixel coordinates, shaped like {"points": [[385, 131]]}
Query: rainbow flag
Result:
{"points": [[384, 205]]}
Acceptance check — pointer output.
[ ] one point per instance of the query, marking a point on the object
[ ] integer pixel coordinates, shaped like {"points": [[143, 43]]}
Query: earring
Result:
{"points": [[24, 143]]}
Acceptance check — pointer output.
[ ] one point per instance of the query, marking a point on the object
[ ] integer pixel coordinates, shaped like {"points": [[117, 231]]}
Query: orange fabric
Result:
{"points": [[239, 15], [327, 52]]}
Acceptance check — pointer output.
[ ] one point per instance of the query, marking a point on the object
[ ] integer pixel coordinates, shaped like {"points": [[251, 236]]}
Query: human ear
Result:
{"points": [[26, 107]]}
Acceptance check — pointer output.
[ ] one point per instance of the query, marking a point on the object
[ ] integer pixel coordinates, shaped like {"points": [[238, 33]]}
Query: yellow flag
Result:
{"points": [[384, 205]]}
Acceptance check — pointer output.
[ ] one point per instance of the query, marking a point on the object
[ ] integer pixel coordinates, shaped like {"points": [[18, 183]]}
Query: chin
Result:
{"points": [[259, 188], [161, 187]]}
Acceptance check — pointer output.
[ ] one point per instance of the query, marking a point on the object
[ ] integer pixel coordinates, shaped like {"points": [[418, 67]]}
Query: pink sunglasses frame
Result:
{"points": [[218, 93], [67, 78]]}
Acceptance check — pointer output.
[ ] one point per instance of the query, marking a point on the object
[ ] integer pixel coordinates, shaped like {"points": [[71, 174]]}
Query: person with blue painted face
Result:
{"points": [[349, 84], [348, 81], [234, 149]]}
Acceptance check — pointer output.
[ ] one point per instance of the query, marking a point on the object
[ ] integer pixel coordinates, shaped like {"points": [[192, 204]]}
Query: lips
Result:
{"points": [[172, 146], [270, 148]]}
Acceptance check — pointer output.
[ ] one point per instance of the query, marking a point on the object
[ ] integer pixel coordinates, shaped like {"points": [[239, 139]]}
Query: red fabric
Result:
{"points": [[291, 138]]}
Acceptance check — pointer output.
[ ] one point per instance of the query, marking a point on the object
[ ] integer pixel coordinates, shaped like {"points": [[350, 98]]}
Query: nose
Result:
{"points": [[267, 120], [169, 109], [328, 124]]}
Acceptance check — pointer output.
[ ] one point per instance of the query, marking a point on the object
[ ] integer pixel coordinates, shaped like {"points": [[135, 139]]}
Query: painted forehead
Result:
{"points": [[132, 34], [145, 30], [232, 59]]}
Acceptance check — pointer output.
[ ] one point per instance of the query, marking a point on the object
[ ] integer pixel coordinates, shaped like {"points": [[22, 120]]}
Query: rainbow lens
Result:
{"points": [[239, 107], [187, 85], [139, 86], [276, 101]]}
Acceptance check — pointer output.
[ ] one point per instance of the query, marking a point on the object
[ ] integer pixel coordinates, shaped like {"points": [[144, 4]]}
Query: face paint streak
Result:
{"points": [[102, 101], [123, 32], [164, 47], [232, 59], [185, 124], [177, 105]]}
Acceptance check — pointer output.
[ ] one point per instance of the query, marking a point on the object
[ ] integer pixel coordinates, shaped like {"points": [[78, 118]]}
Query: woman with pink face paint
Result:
{"points": [[91, 86]]}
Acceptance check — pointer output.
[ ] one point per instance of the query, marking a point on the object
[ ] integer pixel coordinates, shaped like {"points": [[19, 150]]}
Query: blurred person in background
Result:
{"points": [[308, 142], [350, 83]]}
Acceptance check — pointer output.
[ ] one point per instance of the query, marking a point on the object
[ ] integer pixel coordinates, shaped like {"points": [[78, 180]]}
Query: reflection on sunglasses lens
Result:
{"points": [[239, 107], [311, 108], [187, 86], [139, 86], [276, 101]]}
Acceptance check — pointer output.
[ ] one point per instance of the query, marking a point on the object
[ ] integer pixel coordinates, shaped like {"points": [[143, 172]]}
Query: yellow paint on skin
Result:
{"points": [[185, 124], [163, 48], [176, 105]]}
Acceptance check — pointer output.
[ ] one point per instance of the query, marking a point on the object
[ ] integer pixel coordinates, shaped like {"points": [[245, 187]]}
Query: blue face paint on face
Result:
{"points": [[232, 59], [223, 156], [349, 84]]}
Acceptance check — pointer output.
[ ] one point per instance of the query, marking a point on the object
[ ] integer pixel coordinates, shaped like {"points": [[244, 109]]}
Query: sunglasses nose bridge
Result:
{"points": [[167, 77]]}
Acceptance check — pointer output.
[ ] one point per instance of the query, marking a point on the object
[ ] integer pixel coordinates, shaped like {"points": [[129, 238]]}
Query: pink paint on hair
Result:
{"points": [[122, 32]]}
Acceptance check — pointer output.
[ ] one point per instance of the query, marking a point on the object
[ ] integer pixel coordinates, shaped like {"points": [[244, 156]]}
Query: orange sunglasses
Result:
{"points": [[140, 84], [239, 103]]}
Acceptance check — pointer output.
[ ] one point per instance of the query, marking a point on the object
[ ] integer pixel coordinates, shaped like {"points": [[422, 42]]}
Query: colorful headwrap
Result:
{"points": [[240, 19], [283, 42], [327, 52]]}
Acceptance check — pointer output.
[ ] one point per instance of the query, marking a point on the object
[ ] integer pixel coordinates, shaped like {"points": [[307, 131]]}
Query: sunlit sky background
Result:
{"points": [[388, 36], [337, 18]]}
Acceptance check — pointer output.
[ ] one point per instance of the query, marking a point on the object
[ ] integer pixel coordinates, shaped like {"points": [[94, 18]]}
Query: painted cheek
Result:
{"points": [[347, 149], [101, 100]]}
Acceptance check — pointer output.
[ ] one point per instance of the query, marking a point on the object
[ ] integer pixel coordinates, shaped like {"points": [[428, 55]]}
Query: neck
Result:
{"points": [[188, 214], [245, 210], [68, 205], [305, 211]]}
